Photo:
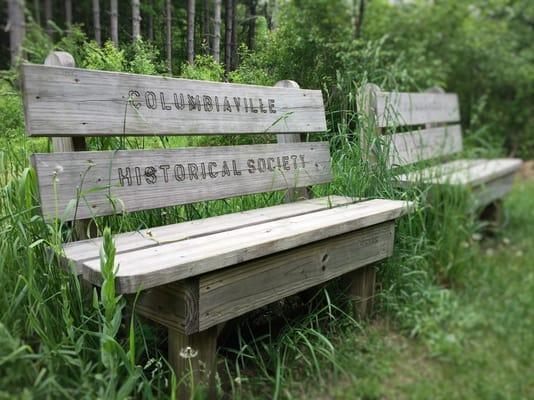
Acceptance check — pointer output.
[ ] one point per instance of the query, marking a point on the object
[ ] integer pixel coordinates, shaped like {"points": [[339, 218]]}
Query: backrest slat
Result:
{"points": [[398, 109], [79, 102], [411, 147], [87, 184]]}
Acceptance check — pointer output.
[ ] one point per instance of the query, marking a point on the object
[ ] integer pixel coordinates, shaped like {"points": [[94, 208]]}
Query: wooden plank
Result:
{"points": [[174, 305], [231, 292], [396, 108], [88, 184], [83, 250], [171, 262], [79, 102], [463, 172], [411, 147], [493, 190]]}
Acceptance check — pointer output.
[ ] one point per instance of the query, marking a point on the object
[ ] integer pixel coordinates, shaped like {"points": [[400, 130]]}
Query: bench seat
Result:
{"points": [[158, 256], [488, 179]]}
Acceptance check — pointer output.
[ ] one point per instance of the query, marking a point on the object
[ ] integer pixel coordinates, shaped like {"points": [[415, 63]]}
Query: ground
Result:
{"points": [[483, 347]]}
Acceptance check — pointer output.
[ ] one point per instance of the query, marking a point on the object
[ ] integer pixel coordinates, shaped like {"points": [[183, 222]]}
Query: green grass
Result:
{"points": [[475, 342]]}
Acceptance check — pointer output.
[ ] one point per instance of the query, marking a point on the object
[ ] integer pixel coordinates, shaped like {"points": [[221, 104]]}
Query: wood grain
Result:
{"points": [[411, 147], [463, 172], [397, 109], [231, 292], [83, 250], [493, 190], [80, 102], [171, 262], [88, 184]]}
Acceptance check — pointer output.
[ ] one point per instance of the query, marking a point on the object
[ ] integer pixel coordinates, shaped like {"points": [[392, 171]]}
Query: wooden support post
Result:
{"points": [[68, 144], [194, 360], [361, 289]]}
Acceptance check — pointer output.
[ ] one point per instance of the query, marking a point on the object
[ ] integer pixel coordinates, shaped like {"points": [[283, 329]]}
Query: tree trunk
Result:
{"points": [[168, 20], [17, 28], [136, 20], [228, 36], [251, 40], [96, 20], [206, 26], [68, 14], [37, 11], [191, 31], [114, 13], [216, 45], [358, 21], [234, 35], [49, 18], [150, 22]]}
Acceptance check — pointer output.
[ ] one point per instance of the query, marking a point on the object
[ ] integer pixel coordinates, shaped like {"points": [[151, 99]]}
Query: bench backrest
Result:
{"points": [[429, 124], [73, 102]]}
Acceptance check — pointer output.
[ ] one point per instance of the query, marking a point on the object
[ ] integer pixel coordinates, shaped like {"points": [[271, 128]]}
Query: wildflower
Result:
{"points": [[188, 352], [506, 241], [476, 237]]}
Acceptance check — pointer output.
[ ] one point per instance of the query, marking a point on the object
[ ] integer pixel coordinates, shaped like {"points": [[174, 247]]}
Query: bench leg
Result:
{"points": [[202, 366], [361, 289], [493, 213]]}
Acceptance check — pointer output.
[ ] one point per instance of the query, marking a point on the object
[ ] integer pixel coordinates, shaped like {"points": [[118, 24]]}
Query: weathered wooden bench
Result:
{"points": [[196, 275], [433, 133]]}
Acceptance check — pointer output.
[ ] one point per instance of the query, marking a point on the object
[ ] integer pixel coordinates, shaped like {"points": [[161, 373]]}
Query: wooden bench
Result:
{"points": [[431, 131], [196, 275]]}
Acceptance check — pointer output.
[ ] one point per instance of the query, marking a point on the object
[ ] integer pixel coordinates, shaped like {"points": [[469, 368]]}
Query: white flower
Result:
{"points": [[188, 352]]}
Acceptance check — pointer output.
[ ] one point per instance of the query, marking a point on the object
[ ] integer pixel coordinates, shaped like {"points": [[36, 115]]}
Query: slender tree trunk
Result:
{"points": [[37, 11], [216, 45], [114, 14], [96, 20], [136, 19], [49, 18], [68, 14], [228, 36], [150, 21], [17, 28], [234, 35], [358, 21], [191, 31], [168, 20], [251, 40], [206, 25]]}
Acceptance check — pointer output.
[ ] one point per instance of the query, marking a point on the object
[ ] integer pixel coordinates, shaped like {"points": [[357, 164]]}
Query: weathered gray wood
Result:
{"points": [[493, 190], [174, 261], [361, 289], [396, 108], [411, 147], [107, 182], [80, 102], [203, 346], [231, 292], [463, 172], [302, 192], [83, 250]]}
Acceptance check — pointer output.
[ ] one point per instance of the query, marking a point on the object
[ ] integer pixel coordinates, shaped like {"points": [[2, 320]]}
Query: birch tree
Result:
{"points": [[216, 44]]}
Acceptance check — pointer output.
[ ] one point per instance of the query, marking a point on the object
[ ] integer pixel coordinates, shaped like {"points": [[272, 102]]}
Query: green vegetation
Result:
{"points": [[453, 317]]}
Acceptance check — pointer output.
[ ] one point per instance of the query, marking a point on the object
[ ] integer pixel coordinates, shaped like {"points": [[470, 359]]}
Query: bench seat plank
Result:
{"points": [[83, 250], [159, 265], [463, 172]]}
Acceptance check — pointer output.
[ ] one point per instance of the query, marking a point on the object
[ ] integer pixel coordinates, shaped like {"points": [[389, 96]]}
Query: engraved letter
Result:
{"points": [[294, 158], [270, 162], [237, 172], [179, 172], [262, 109], [180, 105], [194, 102], [212, 165], [208, 103], [150, 98], [193, 171], [150, 175], [237, 102], [302, 159], [272, 110], [261, 165], [251, 166], [165, 169], [125, 176], [138, 175], [225, 169], [164, 106], [131, 95], [285, 161], [227, 106]]}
